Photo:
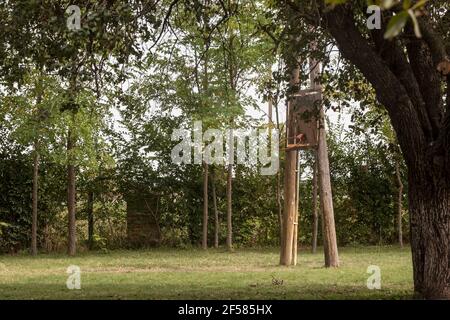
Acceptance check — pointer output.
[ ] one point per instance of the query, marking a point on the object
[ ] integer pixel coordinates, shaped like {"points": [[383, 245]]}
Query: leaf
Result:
{"points": [[406, 4], [419, 4], [387, 4], [335, 2], [415, 23], [396, 25]]}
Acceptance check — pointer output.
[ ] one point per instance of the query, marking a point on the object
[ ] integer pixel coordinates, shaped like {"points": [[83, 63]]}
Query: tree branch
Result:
{"points": [[390, 91]]}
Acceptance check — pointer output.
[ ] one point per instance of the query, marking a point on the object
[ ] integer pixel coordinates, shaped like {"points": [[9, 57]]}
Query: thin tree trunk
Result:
{"points": [[205, 207], [315, 230], [35, 199], [35, 196], [71, 194], [280, 208], [216, 212], [90, 214], [229, 208], [399, 204]]}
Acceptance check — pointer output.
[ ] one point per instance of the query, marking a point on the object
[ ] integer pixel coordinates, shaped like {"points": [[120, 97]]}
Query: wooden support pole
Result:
{"points": [[326, 197], [297, 196], [290, 185], [289, 207]]}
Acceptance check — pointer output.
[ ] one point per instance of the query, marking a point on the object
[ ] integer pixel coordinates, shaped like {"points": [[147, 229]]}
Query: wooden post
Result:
{"points": [[35, 199], [297, 196], [216, 212], [326, 197], [290, 186]]}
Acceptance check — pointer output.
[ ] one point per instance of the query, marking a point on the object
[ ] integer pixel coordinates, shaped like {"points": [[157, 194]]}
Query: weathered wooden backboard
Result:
{"points": [[142, 220], [303, 120]]}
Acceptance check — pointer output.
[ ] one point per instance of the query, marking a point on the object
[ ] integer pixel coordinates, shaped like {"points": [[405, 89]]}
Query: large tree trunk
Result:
{"points": [[35, 200], [429, 209], [407, 78], [229, 208], [90, 215], [315, 214], [205, 207], [399, 204], [71, 194], [216, 212]]}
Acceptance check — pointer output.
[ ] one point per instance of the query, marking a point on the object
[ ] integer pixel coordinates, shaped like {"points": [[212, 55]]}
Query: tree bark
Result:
{"points": [[402, 84], [35, 200], [90, 214], [399, 204], [216, 212], [205, 207], [71, 194], [429, 209], [229, 208], [315, 214], [280, 208]]}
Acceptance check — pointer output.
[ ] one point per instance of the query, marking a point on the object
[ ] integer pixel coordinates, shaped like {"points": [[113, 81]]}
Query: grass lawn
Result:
{"points": [[215, 274]]}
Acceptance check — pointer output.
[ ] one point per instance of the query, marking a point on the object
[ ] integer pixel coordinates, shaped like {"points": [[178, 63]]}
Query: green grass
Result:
{"points": [[215, 274]]}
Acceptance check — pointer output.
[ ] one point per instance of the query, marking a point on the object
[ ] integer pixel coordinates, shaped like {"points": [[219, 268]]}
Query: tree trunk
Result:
{"points": [[205, 207], [35, 200], [399, 204], [429, 208], [408, 84], [278, 196], [216, 212], [229, 208], [71, 193], [280, 208], [315, 214], [90, 214]]}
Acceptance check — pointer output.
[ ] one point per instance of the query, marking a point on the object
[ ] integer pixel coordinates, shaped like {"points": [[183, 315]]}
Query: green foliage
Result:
{"points": [[396, 23]]}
